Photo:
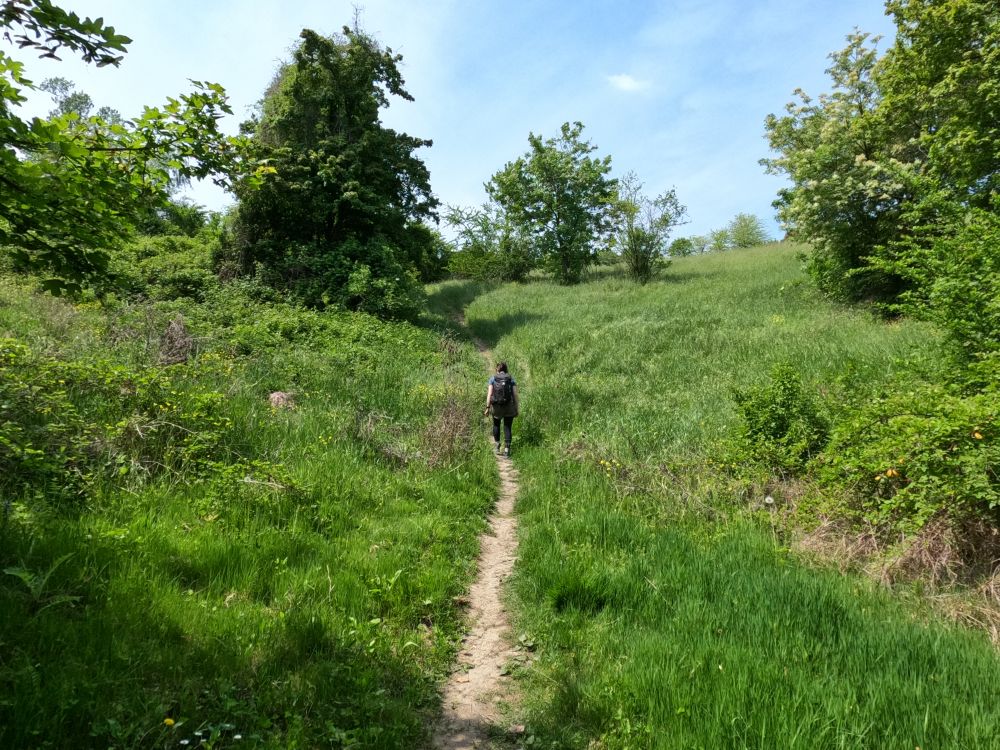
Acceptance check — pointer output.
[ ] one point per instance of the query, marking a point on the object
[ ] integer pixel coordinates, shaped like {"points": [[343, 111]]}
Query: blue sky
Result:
{"points": [[674, 90]]}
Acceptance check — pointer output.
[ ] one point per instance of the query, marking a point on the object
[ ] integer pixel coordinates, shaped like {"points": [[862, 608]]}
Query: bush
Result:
{"points": [[718, 241], [64, 425], [782, 427], [955, 273], [909, 456], [167, 267]]}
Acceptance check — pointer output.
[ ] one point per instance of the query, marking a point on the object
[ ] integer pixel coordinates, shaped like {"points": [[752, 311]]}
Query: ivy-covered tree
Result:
{"points": [[560, 197], [338, 218], [71, 186]]}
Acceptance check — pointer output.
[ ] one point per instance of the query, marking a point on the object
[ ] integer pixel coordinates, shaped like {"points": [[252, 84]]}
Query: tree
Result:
{"points": [[681, 247], [71, 186], [902, 147], [560, 197], [643, 226], [337, 220], [718, 240], [746, 230], [846, 194]]}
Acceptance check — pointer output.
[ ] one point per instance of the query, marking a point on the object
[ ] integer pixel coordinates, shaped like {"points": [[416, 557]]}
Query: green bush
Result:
{"points": [[65, 425], [781, 426], [909, 456], [167, 267], [43, 438]]}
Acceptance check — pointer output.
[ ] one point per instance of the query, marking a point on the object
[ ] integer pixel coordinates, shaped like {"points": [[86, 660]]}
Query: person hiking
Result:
{"points": [[502, 403]]}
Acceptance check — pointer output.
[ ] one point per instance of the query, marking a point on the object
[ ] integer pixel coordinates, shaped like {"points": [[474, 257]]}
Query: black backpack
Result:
{"points": [[503, 389]]}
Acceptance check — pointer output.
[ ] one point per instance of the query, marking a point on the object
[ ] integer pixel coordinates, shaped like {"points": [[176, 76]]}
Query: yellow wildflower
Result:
{"points": [[168, 721]]}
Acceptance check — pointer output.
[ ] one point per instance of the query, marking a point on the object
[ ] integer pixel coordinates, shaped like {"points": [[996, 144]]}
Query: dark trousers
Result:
{"points": [[507, 422]]}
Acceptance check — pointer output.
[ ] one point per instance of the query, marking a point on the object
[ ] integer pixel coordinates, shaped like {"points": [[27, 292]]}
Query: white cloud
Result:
{"points": [[625, 82]]}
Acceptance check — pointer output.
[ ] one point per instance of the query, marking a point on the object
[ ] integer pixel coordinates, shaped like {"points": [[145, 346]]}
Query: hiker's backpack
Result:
{"points": [[503, 389]]}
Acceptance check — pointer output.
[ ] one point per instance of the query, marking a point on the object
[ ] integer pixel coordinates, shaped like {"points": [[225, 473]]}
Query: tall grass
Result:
{"points": [[665, 615], [298, 590]]}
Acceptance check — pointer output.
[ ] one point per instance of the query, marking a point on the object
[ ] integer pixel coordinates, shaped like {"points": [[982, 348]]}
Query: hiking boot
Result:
{"points": [[498, 449], [506, 451]]}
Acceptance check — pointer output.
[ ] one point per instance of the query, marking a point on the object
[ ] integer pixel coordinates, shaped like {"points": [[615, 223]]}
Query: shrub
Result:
{"points": [[909, 456], [782, 426], [718, 241], [64, 425], [167, 267]]}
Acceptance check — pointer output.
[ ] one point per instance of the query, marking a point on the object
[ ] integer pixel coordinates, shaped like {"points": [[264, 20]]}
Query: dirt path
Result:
{"points": [[475, 690]]}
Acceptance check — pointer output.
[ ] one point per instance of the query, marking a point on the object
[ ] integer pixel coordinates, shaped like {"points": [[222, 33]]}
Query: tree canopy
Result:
{"points": [[337, 219], [71, 185], [560, 197], [903, 145]]}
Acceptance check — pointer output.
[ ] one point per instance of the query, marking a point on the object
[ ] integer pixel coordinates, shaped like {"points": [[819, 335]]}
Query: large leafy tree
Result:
{"points": [[904, 146], [338, 217], [72, 185], [561, 197]]}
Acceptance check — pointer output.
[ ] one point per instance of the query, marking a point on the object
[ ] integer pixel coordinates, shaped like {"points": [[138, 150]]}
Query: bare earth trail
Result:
{"points": [[472, 697]]}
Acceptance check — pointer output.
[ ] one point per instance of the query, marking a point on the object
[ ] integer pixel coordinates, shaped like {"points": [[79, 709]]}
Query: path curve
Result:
{"points": [[472, 696]]}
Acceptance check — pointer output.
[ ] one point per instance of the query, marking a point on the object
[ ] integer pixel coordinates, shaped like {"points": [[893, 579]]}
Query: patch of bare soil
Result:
{"points": [[477, 688]]}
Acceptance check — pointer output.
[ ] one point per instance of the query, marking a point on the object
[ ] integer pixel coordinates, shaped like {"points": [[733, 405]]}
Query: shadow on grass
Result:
{"points": [[108, 667], [490, 331], [448, 299]]}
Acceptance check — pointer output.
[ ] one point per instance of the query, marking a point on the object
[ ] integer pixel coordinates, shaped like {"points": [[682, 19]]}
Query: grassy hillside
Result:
{"points": [[667, 613], [185, 562]]}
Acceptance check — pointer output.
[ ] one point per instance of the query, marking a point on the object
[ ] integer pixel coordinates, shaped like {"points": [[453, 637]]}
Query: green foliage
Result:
{"points": [[718, 241], [898, 138], [954, 270], [643, 226], [230, 572], [746, 230], [492, 247], [909, 456], [337, 220], [559, 198], [681, 247], [66, 425], [73, 184], [166, 267], [781, 426]]}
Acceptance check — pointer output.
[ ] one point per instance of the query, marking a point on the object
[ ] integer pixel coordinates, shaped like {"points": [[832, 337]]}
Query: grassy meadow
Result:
{"points": [[210, 570], [666, 610]]}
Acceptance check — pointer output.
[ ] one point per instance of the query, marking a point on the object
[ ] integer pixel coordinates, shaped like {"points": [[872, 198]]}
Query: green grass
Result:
{"points": [[297, 590], [666, 613]]}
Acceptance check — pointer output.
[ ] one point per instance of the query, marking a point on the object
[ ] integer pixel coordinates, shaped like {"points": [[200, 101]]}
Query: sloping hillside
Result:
{"points": [[655, 573]]}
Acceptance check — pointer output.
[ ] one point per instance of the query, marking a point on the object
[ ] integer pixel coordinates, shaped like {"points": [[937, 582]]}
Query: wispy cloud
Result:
{"points": [[625, 82]]}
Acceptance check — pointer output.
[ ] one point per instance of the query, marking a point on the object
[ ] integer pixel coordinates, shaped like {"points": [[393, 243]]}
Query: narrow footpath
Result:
{"points": [[474, 693]]}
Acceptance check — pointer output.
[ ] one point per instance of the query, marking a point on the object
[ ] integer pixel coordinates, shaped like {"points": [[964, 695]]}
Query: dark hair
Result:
{"points": [[502, 367]]}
